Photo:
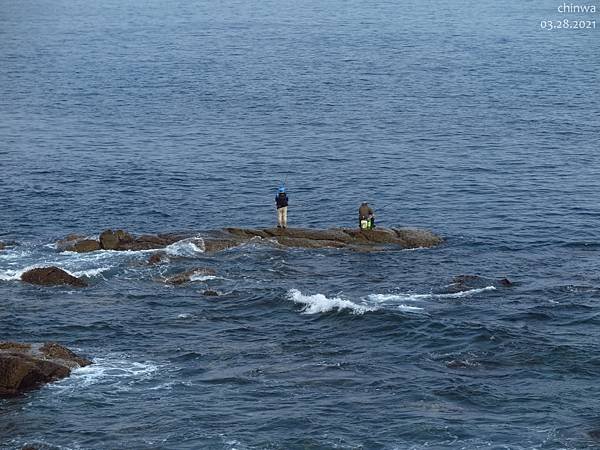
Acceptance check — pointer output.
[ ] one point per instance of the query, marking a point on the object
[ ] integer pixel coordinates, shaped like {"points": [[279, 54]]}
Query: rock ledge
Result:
{"points": [[218, 240]]}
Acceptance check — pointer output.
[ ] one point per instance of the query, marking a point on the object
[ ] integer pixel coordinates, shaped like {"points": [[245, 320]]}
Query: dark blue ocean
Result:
{"points": [[464, 118]]}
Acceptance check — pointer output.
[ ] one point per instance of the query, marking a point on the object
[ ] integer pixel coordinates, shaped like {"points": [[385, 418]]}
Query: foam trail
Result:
{"points": [[319, 303], [382, 298], [407, 308], [202, 277], [466, 293]]}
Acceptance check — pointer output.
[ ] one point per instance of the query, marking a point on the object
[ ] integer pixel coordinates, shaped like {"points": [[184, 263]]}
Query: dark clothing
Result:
{"points": [[281, 199], [364, 212]]}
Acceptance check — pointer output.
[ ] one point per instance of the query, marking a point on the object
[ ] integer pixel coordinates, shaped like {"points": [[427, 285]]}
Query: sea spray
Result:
{"points": [[319, 303]]}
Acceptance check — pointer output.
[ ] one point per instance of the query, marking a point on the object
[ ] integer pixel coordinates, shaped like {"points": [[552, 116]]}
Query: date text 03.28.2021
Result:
{"points": [[567, 24]]}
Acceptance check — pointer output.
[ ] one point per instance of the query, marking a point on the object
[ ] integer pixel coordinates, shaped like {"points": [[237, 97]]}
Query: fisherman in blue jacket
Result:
{"points": [[281, 200]]}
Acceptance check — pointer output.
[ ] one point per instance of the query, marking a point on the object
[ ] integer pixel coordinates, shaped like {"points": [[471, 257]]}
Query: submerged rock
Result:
{"points": [[27, 366], [51, 276], [210, 293], [156, 258], [187, 276], [594, 434], [467, 282]]}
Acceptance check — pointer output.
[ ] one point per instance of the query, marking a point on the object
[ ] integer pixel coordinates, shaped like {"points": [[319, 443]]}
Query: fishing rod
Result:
{"points": [[386, 205]]}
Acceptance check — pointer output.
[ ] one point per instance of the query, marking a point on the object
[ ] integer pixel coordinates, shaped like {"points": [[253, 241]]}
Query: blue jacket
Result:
{"points": [[281, 199]]}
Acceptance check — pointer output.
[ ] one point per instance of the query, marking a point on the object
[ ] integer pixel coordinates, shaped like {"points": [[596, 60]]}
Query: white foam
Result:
{"points": [[184, 316], [382, 298], [407, 308], [13, 254], [11, 275], [201, 277], [121, 372], [319, 303], [90, 272], [186, 247], [467, 293]]}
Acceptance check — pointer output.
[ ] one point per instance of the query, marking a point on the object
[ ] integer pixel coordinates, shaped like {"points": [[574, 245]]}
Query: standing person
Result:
{"points": [[281, 200], [366, 217]]}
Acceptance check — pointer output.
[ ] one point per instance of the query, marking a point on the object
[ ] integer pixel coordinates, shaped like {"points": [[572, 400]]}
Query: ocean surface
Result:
{"points": [[464, 118]]}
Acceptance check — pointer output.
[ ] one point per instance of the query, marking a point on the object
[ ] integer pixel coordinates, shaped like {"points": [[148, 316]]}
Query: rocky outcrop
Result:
{"points": [[51, 276], [108, 240], [69, 241], [27, 366], [352, 238], [218, 240], [114, 240], [189, 275]]}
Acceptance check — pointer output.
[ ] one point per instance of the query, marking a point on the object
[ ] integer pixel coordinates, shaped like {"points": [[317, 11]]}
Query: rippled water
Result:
{"points": [[463, 118]]}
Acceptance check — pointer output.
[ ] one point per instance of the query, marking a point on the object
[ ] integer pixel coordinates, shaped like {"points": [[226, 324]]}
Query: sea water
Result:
{"points": [[465, 118]]}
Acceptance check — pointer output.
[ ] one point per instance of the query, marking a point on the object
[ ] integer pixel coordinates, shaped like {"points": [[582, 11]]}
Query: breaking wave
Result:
{"points": [[186, 247], [319, 303]]}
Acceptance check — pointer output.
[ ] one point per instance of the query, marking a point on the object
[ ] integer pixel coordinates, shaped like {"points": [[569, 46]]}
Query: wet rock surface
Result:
{"points": [[377, 239], [218, 240], [85, 245], [156, 258], [51, 276], [188, 275], [27, 366]]}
